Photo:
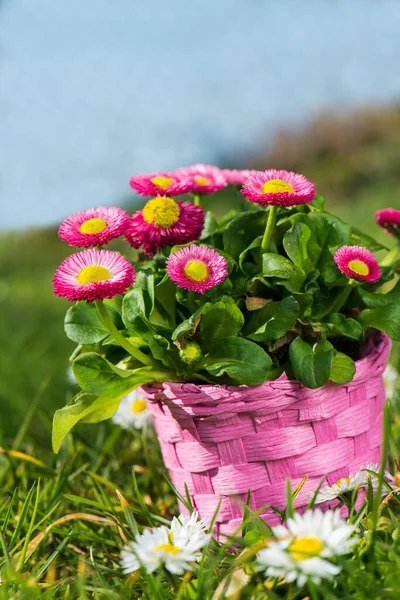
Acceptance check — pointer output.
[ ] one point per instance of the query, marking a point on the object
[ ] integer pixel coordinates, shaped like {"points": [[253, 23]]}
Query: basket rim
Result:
{"points": [[379, 349]]}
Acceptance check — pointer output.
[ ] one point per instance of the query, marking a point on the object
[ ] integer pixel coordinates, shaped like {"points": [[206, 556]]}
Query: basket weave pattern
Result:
{"points": [[223, 441]]}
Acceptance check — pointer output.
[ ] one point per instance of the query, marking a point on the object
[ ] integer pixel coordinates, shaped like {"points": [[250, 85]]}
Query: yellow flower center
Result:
{"points": [[196, 271], [138, 406], [169, 548], [191, 351], [276, 185], [93, 226], [343, 480], [306, 547], [93, 274], [201, 180], [162, 182], [358, 267], [163, 212]]}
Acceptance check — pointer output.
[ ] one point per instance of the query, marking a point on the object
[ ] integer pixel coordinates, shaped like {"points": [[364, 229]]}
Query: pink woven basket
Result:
{"points": [[222, 441]]}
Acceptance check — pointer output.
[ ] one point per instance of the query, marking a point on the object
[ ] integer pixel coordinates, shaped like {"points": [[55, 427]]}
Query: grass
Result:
{"points": [[62, 523]]}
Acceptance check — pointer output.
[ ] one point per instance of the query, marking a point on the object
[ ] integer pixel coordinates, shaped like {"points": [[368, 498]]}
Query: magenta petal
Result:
{"points": [[347, 254], [304, 191], [117, 221], [216, 264], [66, 285], [152, 238]]}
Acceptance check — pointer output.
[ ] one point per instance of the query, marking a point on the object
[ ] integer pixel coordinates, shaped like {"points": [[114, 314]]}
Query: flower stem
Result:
{"points": [[269, 228], [196, 199], [119, 338], [342, 297], [312, 590]]}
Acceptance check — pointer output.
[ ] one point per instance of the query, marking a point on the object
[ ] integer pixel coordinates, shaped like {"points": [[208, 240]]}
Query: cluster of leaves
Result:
{"points": [[274, 313], [63, 523]]}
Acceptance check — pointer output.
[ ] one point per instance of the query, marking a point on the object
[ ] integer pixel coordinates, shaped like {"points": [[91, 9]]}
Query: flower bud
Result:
{"points": [[190, 352]]}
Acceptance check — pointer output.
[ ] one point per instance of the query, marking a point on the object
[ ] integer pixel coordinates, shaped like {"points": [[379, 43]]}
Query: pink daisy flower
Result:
{"points": [[206, 179], [164, 222], [282, 188], [389, 219], [94, 227], [93, 275], [358, 263], [197, 268], [159, 184], [235, 176]]}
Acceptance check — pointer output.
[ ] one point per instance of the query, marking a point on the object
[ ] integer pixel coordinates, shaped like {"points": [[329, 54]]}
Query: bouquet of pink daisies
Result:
{"points": [[277, 285]]}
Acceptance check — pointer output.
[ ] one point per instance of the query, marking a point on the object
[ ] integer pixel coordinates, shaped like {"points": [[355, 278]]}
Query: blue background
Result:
{"points": [[95, 91]]}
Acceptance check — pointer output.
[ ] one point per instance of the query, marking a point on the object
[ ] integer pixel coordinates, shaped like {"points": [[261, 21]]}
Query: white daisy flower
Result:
{"points": [[190, 528], [342, 486], [390, 376], [175, 548], [132, 412], [348, 484], [302, 550]]}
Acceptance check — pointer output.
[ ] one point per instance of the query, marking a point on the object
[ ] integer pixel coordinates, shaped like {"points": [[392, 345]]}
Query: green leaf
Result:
{"points": [[246, 265], [295, 243], [134, 313], [163, 313], [305, 301], [85, 408], [329, 229], [145, 285], [221, 321], [331, 233], [275, 265], [338, 324], [339, 232], [242, 230], [318, 202], [386, 319], [149, 286], [89, 407], [319, 232], [83, 325], [342, 369], [375, 300], [329, 273], [311, 364], [210, 225], [278, 266], [244, 362], [98, 376], [272, 321], [161, 350], [189, 327]]}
